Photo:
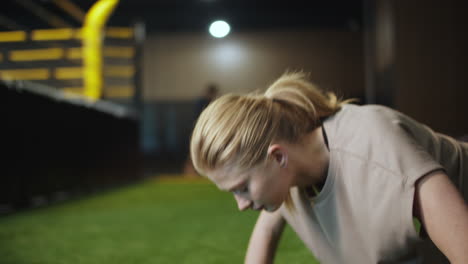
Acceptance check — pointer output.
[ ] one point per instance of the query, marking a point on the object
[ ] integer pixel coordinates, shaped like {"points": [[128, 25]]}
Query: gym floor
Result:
{"points": [[163, 219]]}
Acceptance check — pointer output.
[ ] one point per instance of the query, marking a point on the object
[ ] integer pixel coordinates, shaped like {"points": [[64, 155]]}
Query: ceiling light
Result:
{"points": [[219, 29]]}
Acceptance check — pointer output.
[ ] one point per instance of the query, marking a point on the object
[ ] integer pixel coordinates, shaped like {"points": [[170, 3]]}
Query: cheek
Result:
{"points": [[279, 188], [269, 190], [257, 191]]}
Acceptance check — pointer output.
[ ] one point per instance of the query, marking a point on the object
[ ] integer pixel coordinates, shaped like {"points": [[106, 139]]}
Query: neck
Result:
{"points": [[312, 158]]}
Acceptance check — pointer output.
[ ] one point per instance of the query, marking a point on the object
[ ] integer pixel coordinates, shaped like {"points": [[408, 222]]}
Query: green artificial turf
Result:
{"points": [[156, 221]]}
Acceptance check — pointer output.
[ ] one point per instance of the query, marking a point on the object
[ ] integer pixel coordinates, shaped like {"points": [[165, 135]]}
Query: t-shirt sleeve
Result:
{"points": [[397, 149]]}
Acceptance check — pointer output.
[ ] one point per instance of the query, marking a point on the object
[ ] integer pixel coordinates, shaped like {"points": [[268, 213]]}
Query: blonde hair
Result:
{"points": [[238, 129]]}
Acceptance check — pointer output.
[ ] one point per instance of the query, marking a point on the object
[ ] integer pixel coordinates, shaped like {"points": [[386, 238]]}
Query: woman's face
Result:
{"points": [[263, 187]]}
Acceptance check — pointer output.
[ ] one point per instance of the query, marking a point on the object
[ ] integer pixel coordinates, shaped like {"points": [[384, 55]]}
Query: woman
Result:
{"points": [[348, 179]]}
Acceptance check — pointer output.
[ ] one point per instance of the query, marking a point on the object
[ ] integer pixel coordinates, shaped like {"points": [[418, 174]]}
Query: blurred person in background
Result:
{"points": [[349, 179]]}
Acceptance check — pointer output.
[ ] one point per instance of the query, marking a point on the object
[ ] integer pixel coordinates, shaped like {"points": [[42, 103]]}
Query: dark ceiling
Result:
{"points": [[193, 15]]}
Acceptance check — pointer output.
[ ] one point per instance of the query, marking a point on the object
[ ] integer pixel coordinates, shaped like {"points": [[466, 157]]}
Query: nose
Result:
{"points": [[242, 203]]}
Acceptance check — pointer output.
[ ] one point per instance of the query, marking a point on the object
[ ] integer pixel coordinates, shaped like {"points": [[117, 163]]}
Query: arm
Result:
{"points": [[265, 237], [444, 214]]}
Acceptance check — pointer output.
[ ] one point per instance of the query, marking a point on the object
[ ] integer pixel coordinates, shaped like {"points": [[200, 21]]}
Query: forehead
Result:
{"points": [[227, 178]]}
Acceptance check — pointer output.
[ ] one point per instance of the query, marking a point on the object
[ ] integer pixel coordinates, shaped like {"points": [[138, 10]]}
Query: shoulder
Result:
{"points": [[374, 114], [355, 115], [355, 123], [386, 138]]}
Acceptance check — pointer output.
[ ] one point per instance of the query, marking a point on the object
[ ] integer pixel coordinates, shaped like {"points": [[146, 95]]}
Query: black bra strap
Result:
{"points": [[324, 133]]}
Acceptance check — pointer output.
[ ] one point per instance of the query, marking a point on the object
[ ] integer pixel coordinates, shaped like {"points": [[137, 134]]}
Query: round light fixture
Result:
{"points": [[219, 29]]}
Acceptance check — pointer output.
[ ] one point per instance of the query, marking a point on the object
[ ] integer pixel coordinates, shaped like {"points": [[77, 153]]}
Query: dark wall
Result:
{"points": [[416, 60], [57, 148], [431, 63]]}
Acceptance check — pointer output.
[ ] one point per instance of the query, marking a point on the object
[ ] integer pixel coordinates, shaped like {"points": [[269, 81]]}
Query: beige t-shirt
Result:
{"points": [[364, 212]]}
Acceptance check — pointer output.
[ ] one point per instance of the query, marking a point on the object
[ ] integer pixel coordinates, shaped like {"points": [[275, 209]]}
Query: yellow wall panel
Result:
{"points": [[119, 52], [119, 91], [119, 71], [12, 36], [36, 54], [23, 74], [74, 53], [53, 34], [119, 32], [65, 73]]}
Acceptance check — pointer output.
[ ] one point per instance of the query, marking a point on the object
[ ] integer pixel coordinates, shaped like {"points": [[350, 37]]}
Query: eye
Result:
{"points": [[241, 190]]}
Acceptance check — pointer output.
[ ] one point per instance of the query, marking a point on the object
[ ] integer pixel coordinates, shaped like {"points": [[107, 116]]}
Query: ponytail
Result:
{"points": [[302, 105], [294, 89], [240, 128]]}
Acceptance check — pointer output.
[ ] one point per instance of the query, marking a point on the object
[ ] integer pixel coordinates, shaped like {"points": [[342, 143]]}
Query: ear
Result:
{"points": [[279, 154]]}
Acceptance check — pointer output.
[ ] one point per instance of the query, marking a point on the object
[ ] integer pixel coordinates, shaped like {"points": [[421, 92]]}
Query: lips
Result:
{"points": [[264, 207]]}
